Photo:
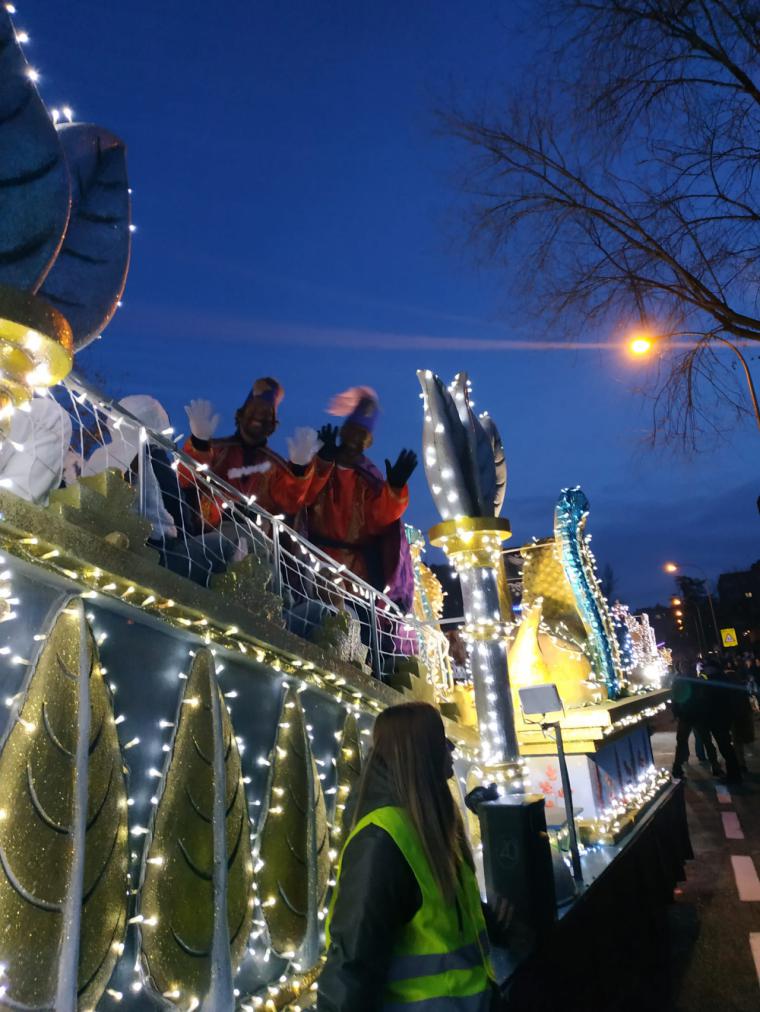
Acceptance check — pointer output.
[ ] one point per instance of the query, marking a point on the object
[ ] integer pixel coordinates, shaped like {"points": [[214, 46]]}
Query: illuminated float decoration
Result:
{"points": [[466, 472], [64, 250], [175, 761], [569, 636]]}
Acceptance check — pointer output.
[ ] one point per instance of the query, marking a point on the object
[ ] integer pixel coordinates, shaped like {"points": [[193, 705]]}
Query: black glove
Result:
{"points": [[329, 436], [400, 473], [478, 795]]}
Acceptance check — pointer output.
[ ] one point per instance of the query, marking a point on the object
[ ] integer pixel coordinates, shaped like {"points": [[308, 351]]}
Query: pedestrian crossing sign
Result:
{"points": [[729, 637]]}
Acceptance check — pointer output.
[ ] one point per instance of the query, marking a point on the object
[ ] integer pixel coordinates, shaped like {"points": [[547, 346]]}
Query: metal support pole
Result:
{"points": [[377, 666], [276, 560], [575, 856], [714, 620], [699, 626]]}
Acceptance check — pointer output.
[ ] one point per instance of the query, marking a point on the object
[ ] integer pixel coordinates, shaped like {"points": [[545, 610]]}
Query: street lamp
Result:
{"points": [[640, 345], [673, 567]]}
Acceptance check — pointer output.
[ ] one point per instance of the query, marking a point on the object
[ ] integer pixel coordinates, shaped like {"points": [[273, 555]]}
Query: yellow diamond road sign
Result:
{"points": [[729, 637]]}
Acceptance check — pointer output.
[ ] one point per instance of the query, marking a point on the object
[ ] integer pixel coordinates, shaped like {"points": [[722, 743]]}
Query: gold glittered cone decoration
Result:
{"points": [[196, 898], [63, 831]]}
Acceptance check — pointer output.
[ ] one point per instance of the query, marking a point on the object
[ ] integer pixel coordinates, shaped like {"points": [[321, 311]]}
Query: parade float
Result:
{"points": [[176, 755]]}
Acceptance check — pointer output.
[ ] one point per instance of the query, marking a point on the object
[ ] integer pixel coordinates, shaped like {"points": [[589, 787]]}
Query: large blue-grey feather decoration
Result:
{"points": [[445, 451], [34, 181], [458, 392], [499, 460], [87, 279], [480, 447]]}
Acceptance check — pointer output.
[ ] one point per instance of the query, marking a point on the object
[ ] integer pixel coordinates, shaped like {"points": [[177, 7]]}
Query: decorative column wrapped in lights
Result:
{"points": [[64, 232], [466, 472]]}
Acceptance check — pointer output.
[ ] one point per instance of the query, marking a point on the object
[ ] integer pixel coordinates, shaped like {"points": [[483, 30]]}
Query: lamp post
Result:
{"points": [[748, 374], [641, 345], [673, 567]]}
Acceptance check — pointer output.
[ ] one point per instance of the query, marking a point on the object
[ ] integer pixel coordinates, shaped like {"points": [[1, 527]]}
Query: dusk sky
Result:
{"points": [[299, 214]]}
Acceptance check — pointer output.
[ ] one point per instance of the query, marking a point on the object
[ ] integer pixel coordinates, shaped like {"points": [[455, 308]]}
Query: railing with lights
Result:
{"points": [[176, 494]]}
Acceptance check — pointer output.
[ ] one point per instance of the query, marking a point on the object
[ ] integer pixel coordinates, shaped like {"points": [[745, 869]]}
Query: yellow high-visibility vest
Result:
{"points": [[441, 958]]}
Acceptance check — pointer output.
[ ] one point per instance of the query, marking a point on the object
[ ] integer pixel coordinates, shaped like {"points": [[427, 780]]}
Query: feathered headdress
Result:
{"points": [[357, 404], [268, 390]]}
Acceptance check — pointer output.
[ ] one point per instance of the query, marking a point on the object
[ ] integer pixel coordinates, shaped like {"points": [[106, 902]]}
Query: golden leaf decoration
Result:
{"points": [[284, 877], [196, 897], [63, 830]]}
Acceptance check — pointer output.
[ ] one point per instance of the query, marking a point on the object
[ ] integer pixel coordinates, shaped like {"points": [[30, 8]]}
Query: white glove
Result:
{"points": [[302, 446], [203, 420]]}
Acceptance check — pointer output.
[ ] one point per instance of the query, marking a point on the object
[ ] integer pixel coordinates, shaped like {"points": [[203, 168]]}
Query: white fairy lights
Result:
{"points": [[628, 805]]}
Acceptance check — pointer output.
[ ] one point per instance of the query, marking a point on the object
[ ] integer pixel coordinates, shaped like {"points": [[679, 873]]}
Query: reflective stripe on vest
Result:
{"points": [[406, 967], [440, 961], [480, 1002]]}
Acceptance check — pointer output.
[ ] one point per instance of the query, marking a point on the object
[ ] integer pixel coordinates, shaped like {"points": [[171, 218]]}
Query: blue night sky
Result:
{"points": [[298, 215]]}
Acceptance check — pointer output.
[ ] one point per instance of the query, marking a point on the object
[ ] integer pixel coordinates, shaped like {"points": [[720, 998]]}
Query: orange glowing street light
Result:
{"points": [[640, 345], [670, 567]]}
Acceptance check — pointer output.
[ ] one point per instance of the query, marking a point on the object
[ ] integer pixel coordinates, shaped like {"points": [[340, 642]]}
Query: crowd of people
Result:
{"points": [[715, 703], [328, 489]]}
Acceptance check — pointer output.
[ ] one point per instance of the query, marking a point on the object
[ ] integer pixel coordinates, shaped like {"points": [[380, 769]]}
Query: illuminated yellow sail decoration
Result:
{"points": [[63, 830], [551, 642], [196, 898]]}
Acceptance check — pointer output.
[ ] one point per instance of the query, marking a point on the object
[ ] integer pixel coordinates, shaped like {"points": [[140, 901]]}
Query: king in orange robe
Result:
{"points": [[244, 461], [355, 515]]}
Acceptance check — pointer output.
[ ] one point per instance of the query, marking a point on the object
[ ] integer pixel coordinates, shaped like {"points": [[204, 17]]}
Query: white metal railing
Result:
{"points": [[176, 494]]}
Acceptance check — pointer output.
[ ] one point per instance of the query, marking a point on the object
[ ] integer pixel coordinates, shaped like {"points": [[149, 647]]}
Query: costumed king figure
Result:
{"points": [[356, 517], [244, 460]]}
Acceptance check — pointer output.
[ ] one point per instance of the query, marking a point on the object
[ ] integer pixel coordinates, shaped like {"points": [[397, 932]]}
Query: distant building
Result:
{"points": [[739, 605]]}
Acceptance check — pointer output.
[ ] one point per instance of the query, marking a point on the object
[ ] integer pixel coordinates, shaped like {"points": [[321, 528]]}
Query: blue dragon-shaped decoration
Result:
{"points": [[570, 516]]}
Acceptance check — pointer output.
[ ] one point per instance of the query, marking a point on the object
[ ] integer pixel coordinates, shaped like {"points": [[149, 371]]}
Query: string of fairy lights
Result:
{"points": [[218, 637], [486, 632]]}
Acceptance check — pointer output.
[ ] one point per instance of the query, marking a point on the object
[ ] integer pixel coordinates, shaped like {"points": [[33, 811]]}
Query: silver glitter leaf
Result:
{"points": [[89, 274]]}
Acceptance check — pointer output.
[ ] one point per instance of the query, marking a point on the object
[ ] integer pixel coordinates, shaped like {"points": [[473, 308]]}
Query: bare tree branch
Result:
{"points": [[625, 188]]}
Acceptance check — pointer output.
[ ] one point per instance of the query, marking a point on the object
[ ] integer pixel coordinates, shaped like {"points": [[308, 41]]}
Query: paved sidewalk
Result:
{"points": [[714, 963]]}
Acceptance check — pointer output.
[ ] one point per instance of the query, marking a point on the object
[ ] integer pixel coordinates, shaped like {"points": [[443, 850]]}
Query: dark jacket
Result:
{"points": [[378, 895], [688, 696], [721, 696]]}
